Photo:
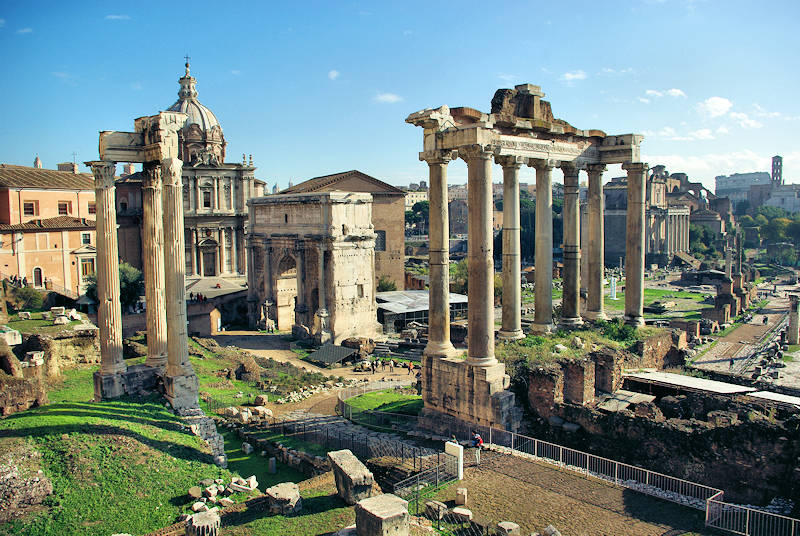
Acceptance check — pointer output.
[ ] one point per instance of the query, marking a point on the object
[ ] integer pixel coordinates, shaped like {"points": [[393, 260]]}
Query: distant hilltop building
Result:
{"points": [[736, 187], [748, 191]]}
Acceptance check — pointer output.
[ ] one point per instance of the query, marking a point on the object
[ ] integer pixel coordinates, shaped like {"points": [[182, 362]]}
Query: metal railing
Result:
{"points": [[748, 521], [375, 419]]}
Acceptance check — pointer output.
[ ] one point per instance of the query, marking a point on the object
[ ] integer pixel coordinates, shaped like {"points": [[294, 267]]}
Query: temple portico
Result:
{"points": [[520, 130]]}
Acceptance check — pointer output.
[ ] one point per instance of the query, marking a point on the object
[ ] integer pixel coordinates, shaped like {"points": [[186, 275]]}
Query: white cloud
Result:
{"points": [[653, 93], [118, 17], [672, 92], [675, 92], [761, 112], [67, 78], [333, 74], [388, 98], [744, 120], [26, 30], [646, 101], [723, 130], [702, 134], [715, 106], [611, 71], [571, 76], [236, 72]]}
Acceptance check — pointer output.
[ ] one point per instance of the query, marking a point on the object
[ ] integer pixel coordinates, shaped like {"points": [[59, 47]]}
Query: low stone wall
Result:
{"points": [[308, 464], [660, 351], [64, 350], [17, 394]]}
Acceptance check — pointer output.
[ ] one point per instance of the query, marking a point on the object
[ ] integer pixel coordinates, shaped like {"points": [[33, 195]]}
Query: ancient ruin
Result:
{"points": [[312, 266], [154, 144], [519, 130]]}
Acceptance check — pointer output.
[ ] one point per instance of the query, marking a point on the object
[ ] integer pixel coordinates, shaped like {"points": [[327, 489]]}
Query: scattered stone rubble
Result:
{"points": [[204, 427], [284, 498], [17, 491], [311, 390]]}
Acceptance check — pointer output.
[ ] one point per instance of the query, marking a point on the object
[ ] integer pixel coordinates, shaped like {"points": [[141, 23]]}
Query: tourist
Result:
{"points": [[732, 363], [410, 367], [391, 365], [477, 442], [191, 296], [383, 365]]}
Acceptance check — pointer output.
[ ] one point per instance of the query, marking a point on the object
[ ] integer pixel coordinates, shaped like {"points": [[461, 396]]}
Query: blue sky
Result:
{"points": [[311, 88]]}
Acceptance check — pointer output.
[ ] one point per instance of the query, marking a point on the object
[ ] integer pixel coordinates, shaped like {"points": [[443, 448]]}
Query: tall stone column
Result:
{"points": [[793, 330], [480, 294], [180, 383], [223, 262], [512, 258], [543, 251], [235, 250], [193, 238], [107, 382], [634, 243], [439, 344], [153, 258], [570, 301], [595, 308], [198, 194], [252, 292], [301, 308], [324, 334]]}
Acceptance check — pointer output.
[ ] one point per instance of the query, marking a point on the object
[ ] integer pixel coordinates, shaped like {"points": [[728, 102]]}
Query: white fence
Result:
{"points": [[748, 521]]}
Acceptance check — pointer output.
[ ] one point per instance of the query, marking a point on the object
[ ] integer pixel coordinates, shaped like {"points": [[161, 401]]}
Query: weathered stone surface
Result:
{"points": [[354, 481], [203, 524], [461, 496], [550, 530], [435, 510], [195, 492], [199, 507], [60, 320], [261, 411], [260, 400], [382, 515], [18, 492], [508, 528], [272, 466], [247, 448], [284, 498], [461, 515]]}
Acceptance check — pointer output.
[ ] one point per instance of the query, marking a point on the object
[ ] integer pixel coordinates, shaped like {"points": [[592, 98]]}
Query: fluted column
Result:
{"points": [[223, 262], [543, 251], [480, 292], [512, 290], [793, 329], [109, 309], [595, 309], [193, 238], [181, 382], [235, 250], [634, 243], [570, 301], [439, 344], [153, 259]]}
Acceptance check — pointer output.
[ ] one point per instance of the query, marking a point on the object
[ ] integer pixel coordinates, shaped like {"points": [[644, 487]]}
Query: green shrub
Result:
{"points": [[29, 298]]}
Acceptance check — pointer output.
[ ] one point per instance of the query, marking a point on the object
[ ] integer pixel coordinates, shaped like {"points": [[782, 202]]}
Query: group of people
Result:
{"points": [[197, 297], [383, 363], [17, 282]]}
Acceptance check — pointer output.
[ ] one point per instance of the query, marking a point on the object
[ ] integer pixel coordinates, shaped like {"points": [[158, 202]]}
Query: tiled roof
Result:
{"points": [[59, 222], [318, 183], [12, 176]]}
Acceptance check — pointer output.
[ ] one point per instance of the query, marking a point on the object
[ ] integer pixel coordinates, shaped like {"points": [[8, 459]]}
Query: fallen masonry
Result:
{"points": [[354, 481], [284, 498]]}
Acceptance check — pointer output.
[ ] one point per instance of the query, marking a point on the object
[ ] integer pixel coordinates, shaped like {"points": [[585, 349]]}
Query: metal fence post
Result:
{"points": [[747, 523]]}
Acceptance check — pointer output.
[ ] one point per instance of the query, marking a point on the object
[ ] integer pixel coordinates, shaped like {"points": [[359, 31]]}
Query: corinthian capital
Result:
{"points": [[510, 160], [635, 166], [475, 151], [152, 175], [103, 172], [171, 171], [543, 163], [438, 156]]}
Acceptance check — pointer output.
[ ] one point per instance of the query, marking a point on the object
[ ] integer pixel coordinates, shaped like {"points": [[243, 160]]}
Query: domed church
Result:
{"points": [[215, 195]]}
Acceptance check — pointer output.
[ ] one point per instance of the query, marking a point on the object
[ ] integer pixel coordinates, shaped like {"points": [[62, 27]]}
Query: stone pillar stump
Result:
{"points": [[382, 515]]}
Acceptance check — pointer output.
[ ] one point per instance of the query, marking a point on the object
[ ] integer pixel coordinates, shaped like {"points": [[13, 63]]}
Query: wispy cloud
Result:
{"points": [[570, 77], [611, 71], [25, 30], [723, 130], [670, 134], [67, 78], [761, 112], [333, 74], [507, 77], [646, 101], [744, 120], [706, 166], [236, 72], [701, 134], [408, 32], [118, 17], [672, 92], [653, 93], [388, 98], [715, 106], [676, 93]]}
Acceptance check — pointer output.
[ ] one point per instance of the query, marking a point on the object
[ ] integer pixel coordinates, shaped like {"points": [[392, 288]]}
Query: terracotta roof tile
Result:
{"points": [[12, 176], [317, 183], [59, 222]]}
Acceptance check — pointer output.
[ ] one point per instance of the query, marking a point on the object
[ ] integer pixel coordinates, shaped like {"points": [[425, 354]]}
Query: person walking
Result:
{"points": [[477, 442]]}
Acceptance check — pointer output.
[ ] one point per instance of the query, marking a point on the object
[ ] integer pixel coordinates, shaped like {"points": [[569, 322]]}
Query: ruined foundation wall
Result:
{"points": [[64, 350]]}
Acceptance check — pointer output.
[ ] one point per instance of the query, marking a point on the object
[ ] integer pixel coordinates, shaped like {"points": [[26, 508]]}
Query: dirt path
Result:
{"points": [[535, 494]]}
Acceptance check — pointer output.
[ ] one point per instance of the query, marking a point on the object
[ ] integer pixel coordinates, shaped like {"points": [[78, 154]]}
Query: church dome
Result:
{"points": [[201, 136]]}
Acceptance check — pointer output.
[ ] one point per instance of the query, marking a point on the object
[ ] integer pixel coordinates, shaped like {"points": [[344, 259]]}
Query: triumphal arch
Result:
{"points": [[312, 266], [520, 130]]}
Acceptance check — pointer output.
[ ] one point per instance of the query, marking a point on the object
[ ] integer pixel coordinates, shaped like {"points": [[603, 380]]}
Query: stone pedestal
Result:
{"points": [[512, 290], [354, 481], [570, 301], [439, 256], [508, 528], [543, 312], [383, 515], [284, 499], [635, 243], [595, 309]]}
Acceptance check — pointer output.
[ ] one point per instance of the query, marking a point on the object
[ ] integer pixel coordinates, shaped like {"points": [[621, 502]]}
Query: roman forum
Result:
{"points": [[519, 130], [154, 144]]}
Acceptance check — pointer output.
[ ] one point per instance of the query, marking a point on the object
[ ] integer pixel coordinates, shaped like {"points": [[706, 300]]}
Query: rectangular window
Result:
{"points": [[206, 199], [92, 208], [86, 238], [87, 267], [63, 208], [380, 241], [29, 208]]}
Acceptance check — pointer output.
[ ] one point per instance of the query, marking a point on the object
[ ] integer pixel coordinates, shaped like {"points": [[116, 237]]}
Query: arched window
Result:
{"points": [[37, 277]]}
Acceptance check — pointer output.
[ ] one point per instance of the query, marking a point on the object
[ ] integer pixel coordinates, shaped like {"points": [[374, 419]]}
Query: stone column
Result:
{"points": [[193, 238], [109, 310], [180, 383], [301, 307], [793, 331], [634, 243], [153, 259], [198, 194], [570, 301], [595, 309], [543, 252], [215, 198], [223, 262], [512, 258], [324, 334], [480, 294], [252, 292], [439, 344], [235, 250]]}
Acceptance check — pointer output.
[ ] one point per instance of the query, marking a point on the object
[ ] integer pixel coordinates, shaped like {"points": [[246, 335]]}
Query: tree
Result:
{"points": [[775, 231], [771, 212], [761, 220], [28, 298], [747, 221], [459, 276], [385, 284], [131, 285]]}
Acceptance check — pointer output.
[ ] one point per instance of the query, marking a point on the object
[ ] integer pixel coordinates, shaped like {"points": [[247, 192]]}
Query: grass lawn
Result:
{"points": [[255, 464], [38, 325], [389, 400], [121, 466], [75, 385], [221, 389], [292, 442]]}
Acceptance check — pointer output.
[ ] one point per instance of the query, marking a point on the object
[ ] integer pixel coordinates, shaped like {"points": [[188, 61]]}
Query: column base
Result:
{"points": [[440, 349], [108, 386], [542, 328], [181, 391], [481, 361], [511, 335], [635, 321], [571, 323], [595, 316], [158, 361]]}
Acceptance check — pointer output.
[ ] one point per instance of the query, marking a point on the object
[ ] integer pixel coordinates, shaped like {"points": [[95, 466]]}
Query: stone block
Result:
{"points": [[284, 498], [272, 467], [203, 524], [550, 530], [24, 315], [435, 510], [354, 481], [461, 515], [247, 448], [195, 492], [382, 515], [261, 400], [461, 496], [199, 507], [224, 501], [508, 528], [58, 310], [11, 336]]}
